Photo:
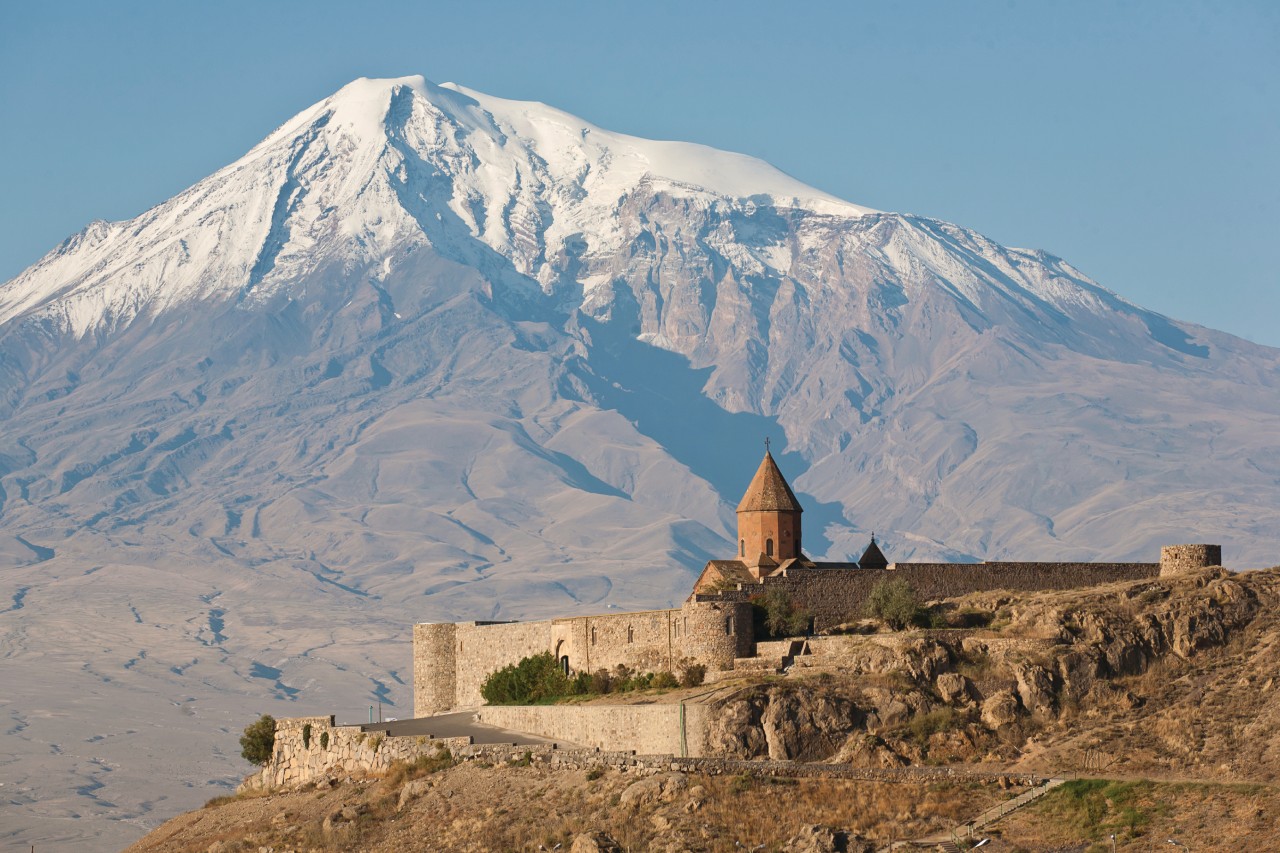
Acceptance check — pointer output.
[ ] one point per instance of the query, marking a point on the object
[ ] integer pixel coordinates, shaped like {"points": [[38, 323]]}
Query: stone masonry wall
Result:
{"points": [[672, 729], [435, 687], [835, 596], [321, 764], [646, 641], [1179, 559], [481, 648], [716, 632], [338, 749]]}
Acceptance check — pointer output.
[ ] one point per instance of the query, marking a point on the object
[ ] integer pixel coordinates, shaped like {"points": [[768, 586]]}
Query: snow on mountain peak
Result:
{"points": [[376, 165]]}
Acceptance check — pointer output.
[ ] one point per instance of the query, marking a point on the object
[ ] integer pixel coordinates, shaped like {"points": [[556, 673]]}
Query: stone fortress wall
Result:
{"points": [[837, 595], [451, 661], [1176, 559]]}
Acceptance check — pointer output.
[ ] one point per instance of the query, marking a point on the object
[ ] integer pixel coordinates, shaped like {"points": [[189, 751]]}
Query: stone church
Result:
{"points": [[715, 624]]}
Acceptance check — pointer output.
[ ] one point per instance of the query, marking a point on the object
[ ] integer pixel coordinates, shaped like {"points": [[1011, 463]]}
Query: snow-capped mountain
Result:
{"points": [[424, 353]]}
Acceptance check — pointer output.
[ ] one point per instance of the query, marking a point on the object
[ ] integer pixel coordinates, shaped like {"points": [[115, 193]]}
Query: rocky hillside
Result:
{"points": [[1170, 677], [471, 807]]}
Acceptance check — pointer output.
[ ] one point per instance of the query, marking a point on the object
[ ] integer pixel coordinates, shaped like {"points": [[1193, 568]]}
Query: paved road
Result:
{"points": [[461, 724]]}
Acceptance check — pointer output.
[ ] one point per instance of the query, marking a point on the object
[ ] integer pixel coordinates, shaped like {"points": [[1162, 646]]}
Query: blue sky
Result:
{"points": [[1138, 140]]}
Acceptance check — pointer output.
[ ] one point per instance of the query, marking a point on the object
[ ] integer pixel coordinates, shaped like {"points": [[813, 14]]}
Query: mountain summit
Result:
{"points": [[377, 169], [427, 354]]}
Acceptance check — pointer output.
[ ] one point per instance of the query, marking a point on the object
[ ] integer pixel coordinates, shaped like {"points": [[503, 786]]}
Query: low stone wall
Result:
{"points": [[647, 729], [308, 748], [332, 764]]}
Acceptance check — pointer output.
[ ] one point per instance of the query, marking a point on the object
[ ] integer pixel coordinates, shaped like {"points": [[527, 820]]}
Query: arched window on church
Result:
{"points": [[593, 635], [768, 547], [742, 547], [631, 634]]}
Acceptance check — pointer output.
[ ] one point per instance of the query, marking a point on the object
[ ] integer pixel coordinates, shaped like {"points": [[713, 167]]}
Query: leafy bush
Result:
{"points": [[534, 679], [665, 680], [539, 679], [258, 740], [776, 615], [324, 740], [306, 735], [894, 603], [924, 725], [693, 674], [601, 682]]}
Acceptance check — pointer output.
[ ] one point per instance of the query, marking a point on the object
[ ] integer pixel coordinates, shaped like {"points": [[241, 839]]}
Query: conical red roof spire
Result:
{"points": [[769, 491]]}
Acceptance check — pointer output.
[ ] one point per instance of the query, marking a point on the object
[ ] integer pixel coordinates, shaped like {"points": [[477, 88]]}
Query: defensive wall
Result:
{"points": [[295, 763], [307, 748], [835, 596], [452, 660], [1177, 559]]}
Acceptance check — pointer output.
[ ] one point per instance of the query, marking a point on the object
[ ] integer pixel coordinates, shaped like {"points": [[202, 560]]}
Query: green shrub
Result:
{"points": [[601, 682], [665, 680], [693, 675], [924, 725], [324, 740], [534, 679], [539, 679], [594, 773], [258, 740], [894, 603], [776, 615], [306, 735]]}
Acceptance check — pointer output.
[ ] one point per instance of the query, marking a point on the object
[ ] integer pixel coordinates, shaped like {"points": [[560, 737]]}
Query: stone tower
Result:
{"points": [[768, 520]]}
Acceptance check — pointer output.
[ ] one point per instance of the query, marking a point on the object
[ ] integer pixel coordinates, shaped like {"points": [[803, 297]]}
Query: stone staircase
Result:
{"points": [[962, 837], [772, 657]]}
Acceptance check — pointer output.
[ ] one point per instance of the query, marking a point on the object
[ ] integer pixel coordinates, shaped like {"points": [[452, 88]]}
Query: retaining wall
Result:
{"points": [[329, 765], [647, 729]]}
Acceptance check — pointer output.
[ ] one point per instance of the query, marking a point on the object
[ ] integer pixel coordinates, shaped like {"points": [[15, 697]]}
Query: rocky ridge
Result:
{"points": [[1166, 676], [1172, 679]]}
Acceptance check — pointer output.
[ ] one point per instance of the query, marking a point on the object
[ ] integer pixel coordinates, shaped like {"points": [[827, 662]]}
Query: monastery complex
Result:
{"points": [[714, 625]]}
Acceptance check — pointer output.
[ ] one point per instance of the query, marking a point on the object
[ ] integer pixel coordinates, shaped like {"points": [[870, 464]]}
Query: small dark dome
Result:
{"points": [[872, 558]]}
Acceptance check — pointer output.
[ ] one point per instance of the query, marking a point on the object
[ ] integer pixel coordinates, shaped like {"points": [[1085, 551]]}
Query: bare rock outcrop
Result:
{"points": [[595, 842], [662, 787], [816, 838], [1000, 709], [784, 723]]}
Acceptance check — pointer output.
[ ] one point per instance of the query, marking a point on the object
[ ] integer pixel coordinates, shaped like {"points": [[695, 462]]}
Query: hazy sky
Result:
{"points": [[1138, 140]]}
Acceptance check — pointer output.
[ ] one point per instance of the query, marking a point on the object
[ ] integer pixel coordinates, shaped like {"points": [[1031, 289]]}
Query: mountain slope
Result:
{"points": [[428, 354]]}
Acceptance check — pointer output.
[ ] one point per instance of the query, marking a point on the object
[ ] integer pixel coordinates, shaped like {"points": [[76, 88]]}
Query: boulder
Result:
{"points": [[594, 842], [954, 688], [413, 790], [1000, 709], [1035, 688], [662, 787], [816, 838]]}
